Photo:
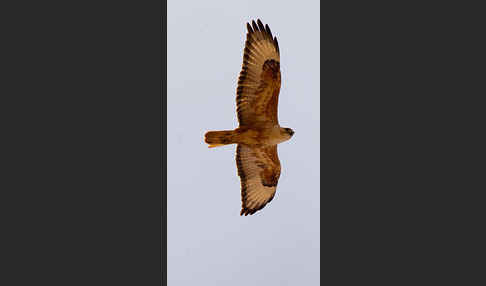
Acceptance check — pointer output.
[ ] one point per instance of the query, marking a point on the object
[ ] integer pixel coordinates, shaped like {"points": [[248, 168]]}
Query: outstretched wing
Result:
{"points": [[259, 80], [259, 171]]}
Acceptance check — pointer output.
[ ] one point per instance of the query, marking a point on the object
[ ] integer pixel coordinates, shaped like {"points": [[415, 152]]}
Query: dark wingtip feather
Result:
{"points": [[276, 45], [269, 32], [254, 25], [250, 30], [244, 211], [260, 25]]}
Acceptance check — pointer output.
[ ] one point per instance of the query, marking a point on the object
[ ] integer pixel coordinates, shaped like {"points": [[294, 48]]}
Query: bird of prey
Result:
{"points": [[259, 131]]}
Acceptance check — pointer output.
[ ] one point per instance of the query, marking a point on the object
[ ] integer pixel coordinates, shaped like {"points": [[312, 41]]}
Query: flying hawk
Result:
{"points": [[259, 132]]}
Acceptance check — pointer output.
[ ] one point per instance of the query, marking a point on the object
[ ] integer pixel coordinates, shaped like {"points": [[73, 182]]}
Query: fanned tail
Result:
{"points": [[220, 138]]}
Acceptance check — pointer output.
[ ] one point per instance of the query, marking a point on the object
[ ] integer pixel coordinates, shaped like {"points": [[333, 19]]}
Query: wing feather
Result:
{"points": [[259, 171], [259, 80]]}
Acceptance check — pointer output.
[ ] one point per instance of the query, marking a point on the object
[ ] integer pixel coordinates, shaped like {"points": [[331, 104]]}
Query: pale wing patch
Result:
{"points": [[259, 170]]}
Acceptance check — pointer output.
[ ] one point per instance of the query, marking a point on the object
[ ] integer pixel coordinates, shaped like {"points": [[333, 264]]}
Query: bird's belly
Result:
{"points": [[275, 140], [265, 137]]}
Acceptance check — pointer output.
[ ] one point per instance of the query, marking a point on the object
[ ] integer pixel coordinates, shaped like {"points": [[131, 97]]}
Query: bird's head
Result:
{"points": [[288, 132]]}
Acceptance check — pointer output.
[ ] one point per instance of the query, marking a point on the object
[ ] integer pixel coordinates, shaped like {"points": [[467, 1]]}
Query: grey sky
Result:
{"points": [[208, 242]]}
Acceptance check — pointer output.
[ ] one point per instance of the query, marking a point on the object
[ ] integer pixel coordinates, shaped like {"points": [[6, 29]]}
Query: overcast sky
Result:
{"points": [[208, 242]]}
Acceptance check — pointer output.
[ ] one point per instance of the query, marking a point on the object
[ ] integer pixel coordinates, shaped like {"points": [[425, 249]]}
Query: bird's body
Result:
{"points": [[261, 136], [259, 131]]}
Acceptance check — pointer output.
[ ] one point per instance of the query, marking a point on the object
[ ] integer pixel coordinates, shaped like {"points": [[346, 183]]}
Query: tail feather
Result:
{"points": [[220, 138]]}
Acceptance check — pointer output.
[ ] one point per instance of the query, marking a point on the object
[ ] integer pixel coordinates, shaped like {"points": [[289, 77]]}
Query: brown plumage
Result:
{"points": [[259, 131]]}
